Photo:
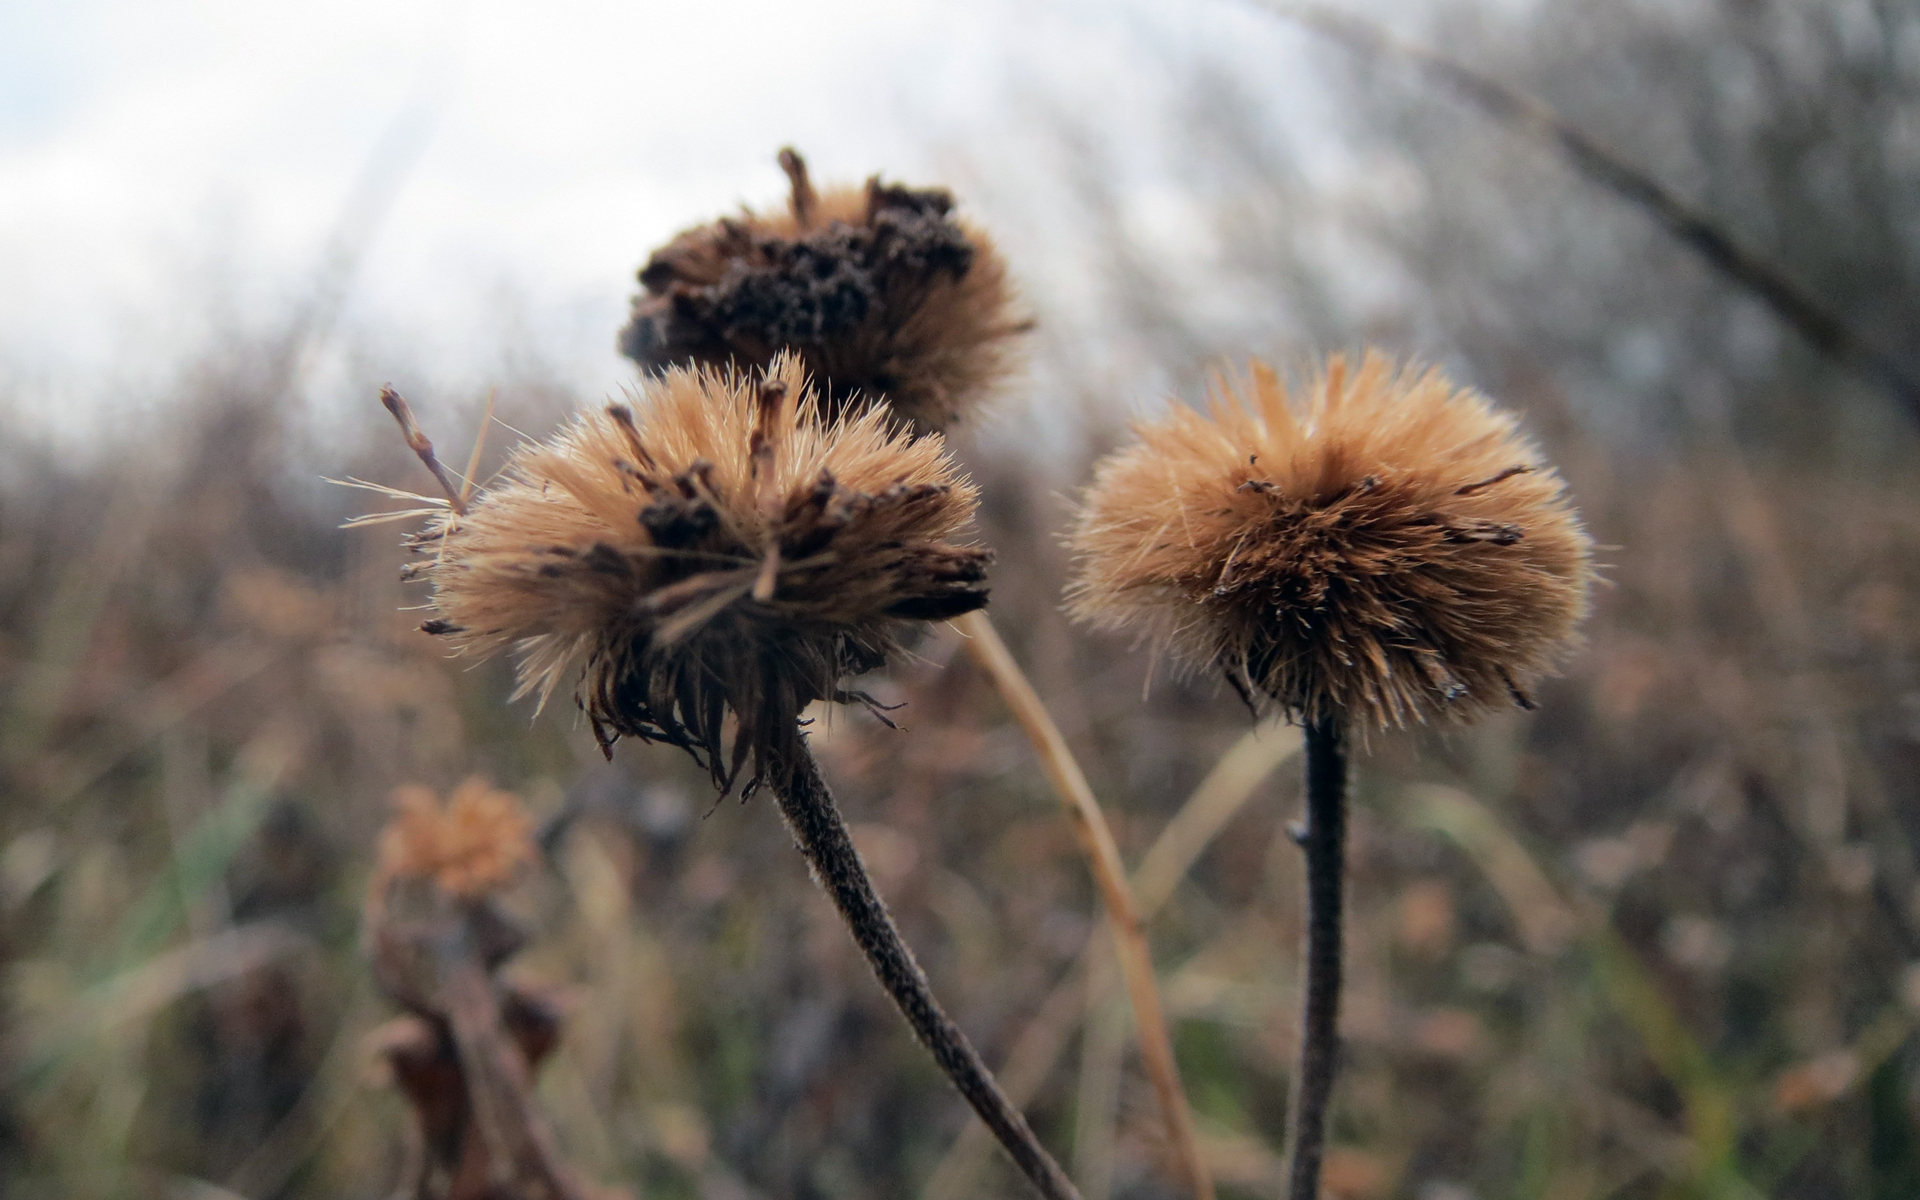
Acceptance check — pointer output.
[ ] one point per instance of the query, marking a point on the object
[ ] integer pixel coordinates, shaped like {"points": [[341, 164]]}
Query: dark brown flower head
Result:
{"points": [[716, 548], [1389, 549], [882, 293]]}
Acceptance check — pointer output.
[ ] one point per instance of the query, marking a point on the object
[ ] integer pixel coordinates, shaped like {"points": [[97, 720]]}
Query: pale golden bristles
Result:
{"points": [[1386, 547], [883, 294], [473, 845], [714, 549]]}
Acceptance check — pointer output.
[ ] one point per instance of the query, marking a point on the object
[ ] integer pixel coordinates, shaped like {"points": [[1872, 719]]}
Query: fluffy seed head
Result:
{"points": [[715, 548], [474, 844], [879, 289], [1386, 547]]}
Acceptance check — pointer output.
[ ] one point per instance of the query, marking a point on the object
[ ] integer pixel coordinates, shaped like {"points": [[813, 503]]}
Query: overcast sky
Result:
{"points": [[158, 156]]}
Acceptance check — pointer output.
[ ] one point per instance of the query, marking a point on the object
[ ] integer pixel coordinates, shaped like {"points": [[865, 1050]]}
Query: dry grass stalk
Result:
{"points": [[878, 289], [1390, 550], [1090, 828]]}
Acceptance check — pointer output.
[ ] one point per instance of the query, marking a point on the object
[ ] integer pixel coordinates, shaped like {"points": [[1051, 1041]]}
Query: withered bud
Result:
{"points": [[472, 846], [1388, 548], [714, 548], [880, 290]]}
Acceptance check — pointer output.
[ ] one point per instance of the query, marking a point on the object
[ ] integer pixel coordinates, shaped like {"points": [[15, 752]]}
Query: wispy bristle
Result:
{"points": [[1390, 549], [715, 548]]}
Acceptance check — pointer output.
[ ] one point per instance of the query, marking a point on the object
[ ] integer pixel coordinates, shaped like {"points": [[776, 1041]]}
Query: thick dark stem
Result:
{"points": [[822, 836], [1324, 841]]}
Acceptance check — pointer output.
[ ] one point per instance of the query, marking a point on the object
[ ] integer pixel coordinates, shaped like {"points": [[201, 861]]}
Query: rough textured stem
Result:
{"points": [[822, 835], [1110, 875], [1324, 840]]}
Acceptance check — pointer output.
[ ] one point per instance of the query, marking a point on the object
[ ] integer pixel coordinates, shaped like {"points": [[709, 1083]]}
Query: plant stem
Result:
{"points": [[1324, 841], [1110, 876], [822, 836]]}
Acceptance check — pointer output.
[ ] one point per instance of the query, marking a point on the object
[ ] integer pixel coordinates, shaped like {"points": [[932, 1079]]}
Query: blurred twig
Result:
{"points": [[1103, 1043], [165, 977], [1221, 795], [66, 628], [1706, 1096], [1700, 232], [1545, 921], [160, 707], [144, 989], [333, 1089]]}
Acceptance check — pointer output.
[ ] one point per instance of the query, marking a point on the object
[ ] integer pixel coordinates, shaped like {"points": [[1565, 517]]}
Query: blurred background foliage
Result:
{"points": [[1660, 939]]}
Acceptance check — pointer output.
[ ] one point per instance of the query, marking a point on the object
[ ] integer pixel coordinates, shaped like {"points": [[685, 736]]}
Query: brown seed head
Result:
{"points": [[882, 293], [473, 845], [1389, 548], [715, 548]]}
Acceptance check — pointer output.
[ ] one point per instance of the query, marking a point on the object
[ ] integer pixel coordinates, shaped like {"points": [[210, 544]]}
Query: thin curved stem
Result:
{"points": [[822, 835], [1116, 894], [1324, 840]]}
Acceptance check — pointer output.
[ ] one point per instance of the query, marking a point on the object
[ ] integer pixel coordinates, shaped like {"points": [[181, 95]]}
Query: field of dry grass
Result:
{"points": [[1659, 939], [1654, 940]]}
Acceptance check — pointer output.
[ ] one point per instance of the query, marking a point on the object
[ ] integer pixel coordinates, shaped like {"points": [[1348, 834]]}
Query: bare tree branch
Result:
{"points": [[1811, 318]]}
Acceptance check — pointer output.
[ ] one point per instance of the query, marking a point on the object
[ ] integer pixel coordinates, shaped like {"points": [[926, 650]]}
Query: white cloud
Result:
{"points": [[147, 146], [567, 138]]}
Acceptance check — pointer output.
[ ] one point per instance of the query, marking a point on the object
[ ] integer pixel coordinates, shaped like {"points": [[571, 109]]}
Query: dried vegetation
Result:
{"points": [[1655, 940]]}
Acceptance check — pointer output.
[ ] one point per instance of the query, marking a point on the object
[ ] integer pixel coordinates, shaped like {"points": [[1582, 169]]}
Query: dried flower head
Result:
{"points": [[716, 548], [879, 289], [474, 844], [1389, 549]]}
